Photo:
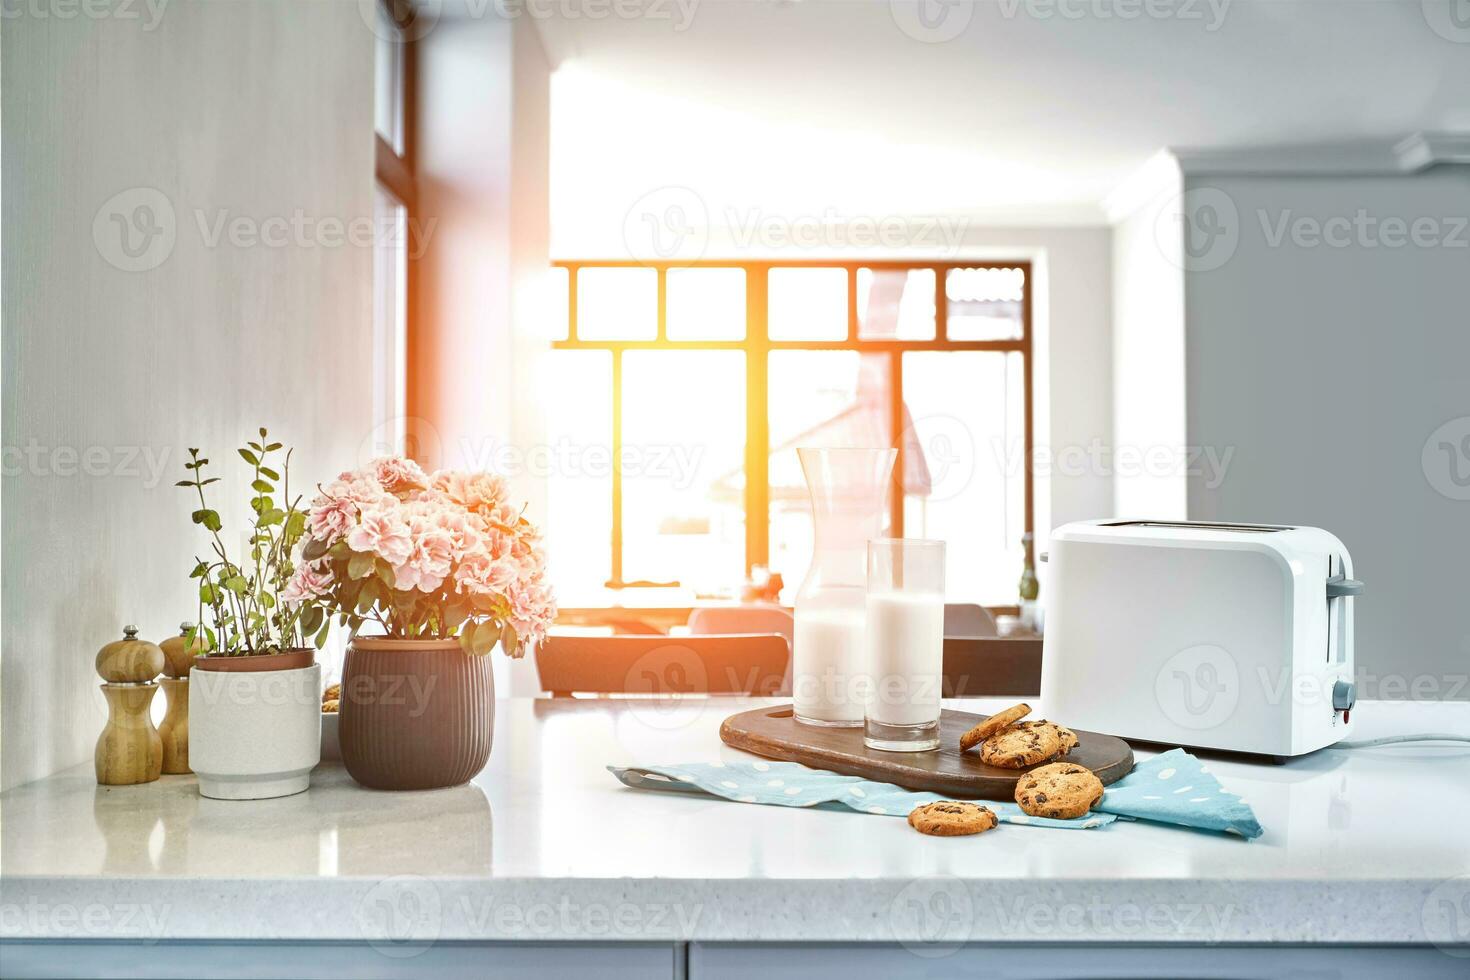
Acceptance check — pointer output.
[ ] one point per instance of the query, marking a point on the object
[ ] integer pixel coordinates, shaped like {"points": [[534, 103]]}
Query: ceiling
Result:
{"points": [[1009, 111]]}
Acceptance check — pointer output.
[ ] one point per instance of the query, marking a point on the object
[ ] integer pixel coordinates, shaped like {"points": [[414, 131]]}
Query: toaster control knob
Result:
{"points": [[1344, 695]]}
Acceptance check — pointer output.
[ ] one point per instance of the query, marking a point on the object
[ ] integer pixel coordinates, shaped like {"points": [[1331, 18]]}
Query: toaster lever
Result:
{"points": [[1337, 586]]}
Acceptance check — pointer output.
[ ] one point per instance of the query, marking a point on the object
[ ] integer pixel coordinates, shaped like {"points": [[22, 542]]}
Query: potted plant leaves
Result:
{"points": [[255, 689]]}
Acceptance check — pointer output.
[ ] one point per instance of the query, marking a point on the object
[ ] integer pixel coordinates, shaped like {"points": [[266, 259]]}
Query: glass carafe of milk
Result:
{"points": [[849, 490]]}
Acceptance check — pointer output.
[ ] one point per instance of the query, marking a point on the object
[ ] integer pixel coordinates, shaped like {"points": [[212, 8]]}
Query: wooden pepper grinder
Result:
{"points": [[129, 750], [178, 657]]}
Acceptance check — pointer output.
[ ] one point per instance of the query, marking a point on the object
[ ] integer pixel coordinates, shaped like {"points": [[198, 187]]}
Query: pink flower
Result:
{"points": [[311, 580], [332, 518], [479, 574], [476, 491], [397, 474], [532, 611], [384, 533], [452, 534], [356, 487], [463, 532], [430, 561]]}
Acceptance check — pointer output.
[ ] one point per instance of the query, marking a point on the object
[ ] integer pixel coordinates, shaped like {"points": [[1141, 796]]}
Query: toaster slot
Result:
{"points": [[1203, 526]]}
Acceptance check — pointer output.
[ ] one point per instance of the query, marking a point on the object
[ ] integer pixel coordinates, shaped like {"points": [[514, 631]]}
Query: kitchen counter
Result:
{"points": [[1361, 846]]}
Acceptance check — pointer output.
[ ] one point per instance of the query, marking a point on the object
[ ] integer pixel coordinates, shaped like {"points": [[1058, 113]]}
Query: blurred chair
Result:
{"points": [[988, 667], [968, 620], [746, 664], [749, 618]]}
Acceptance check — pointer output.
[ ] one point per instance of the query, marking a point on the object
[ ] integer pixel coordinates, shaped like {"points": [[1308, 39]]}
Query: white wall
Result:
{"points": [[263, 109], [481, 166], [1327, 369], [1150, 456]]}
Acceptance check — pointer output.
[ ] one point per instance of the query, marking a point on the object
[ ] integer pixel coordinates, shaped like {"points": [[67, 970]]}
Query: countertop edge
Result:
{"points": [[405, 911]]}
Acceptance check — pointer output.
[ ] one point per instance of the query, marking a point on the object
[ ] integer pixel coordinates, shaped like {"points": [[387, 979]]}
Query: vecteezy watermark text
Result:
{"points": [[302, 230], [404, 915], [1363, 229], [754, 228], [674, 224], [137, 229], [148, 12], [138, 920], [129, 462], [1208, 463], [1210, 13], [676, 464], [937, 21], [424, 15], [1201, 229]]}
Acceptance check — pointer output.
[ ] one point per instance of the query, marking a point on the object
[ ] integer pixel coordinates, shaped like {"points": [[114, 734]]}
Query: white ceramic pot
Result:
{"points": [[254, 734]]}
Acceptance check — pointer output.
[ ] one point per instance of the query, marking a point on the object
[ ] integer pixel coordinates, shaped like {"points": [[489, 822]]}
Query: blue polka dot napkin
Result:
{"points": [[1170, 788], [1176, 788]]}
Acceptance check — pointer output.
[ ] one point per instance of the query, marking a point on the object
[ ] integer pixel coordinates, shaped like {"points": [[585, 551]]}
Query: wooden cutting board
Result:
{"points": [[775, 734]]}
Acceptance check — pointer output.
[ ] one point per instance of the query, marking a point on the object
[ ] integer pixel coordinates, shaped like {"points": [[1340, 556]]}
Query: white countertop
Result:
{"points": [[1361, 846]]}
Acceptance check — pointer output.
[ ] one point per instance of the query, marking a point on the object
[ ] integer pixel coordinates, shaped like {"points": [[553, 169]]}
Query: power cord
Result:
{"points": [[1392, 739]]}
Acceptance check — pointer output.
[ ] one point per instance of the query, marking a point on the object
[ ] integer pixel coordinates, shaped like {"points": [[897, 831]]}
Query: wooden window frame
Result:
{"points": [[394, 173], [757, 346], [395, 170]]}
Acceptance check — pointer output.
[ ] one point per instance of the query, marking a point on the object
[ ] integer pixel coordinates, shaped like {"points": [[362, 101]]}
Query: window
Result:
{"points": [[392, 214], [390, 321], [704, 378]]}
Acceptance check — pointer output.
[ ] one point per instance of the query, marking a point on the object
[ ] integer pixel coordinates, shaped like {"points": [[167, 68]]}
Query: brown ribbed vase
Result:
{"points": [[415, 714]]}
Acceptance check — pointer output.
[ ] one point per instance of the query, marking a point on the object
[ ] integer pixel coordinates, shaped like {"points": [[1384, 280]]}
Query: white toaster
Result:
{"points": [[1222, 636]]}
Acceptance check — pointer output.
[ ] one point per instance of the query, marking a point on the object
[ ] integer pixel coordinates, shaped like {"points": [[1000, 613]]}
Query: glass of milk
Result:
{"points": [[849, 491], [905, 644]]}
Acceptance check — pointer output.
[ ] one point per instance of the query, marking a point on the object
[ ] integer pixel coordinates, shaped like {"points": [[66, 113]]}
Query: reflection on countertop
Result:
{"points": [[1347, 853], [166, 828]]}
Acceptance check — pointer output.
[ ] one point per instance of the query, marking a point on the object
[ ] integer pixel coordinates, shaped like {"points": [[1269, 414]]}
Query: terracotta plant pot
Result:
{"points": [[255, 726], [415, 714], [285, 660]]}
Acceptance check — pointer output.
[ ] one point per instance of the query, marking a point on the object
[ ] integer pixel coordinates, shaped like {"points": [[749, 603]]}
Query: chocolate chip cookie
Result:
{"points": [[1061, 790], [1021, 745], [993, 724], [1069, 738], [1066, 736], [952, 819]]}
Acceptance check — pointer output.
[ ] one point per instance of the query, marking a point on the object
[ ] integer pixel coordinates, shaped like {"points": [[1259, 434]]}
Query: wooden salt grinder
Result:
{"points": [[129, 750], [178, 657]]}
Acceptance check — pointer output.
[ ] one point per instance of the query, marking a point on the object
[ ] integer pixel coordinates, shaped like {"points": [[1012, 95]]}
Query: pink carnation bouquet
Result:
{"points": [[427, 557]]}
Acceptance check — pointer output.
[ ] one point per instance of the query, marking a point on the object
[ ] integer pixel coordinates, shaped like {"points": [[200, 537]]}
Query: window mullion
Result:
{"points": [[617, 468], [662, 334], [896, 417], [757, 422], [941, 304]]}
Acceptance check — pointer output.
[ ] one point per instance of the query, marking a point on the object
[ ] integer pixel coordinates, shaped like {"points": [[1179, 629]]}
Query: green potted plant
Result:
{"points": [[255, 687], [448, 568]]}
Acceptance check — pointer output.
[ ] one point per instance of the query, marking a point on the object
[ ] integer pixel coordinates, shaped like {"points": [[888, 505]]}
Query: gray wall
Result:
{"points": [[255, 111], [1327, 368]]}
